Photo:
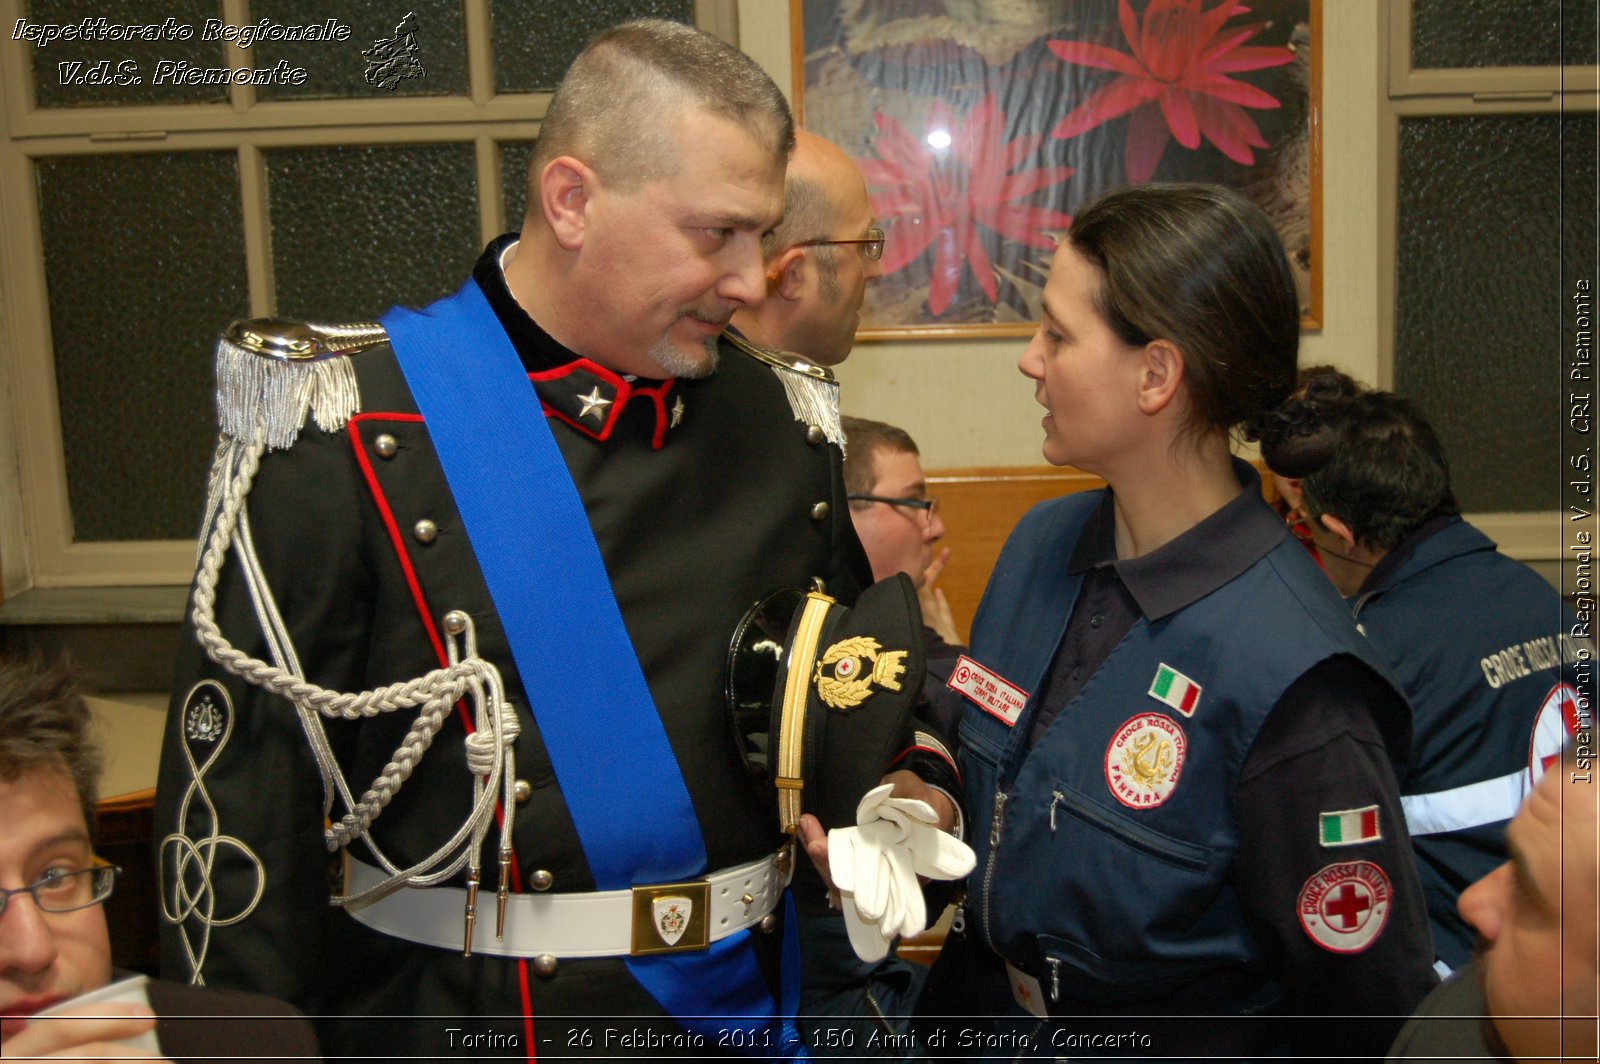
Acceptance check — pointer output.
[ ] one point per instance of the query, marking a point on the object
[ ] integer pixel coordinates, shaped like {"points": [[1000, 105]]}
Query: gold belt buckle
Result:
{"points": [[671, 918]]}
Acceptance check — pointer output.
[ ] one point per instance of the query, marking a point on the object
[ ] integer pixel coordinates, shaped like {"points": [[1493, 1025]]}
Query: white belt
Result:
{"points": [[660, 918]]}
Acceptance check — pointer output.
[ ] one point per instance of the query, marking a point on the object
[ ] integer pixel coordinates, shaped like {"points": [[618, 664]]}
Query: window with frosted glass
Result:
{"points": [[144, 264], [357, 230], [434, 36], [144, 253], [515, 156], [1484, 245], [536, 40], [1494, 33]]}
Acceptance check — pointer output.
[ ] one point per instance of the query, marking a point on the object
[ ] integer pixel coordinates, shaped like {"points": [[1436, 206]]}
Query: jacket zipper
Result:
{"points": [[1355, 609], [988, 868]]}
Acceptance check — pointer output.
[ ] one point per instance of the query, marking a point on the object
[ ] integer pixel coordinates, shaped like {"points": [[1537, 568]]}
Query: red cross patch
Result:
{"points": [[1344, 906], [1553, 728]]}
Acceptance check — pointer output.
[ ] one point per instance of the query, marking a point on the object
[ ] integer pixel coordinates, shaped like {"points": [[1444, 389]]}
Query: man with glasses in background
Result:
{"points": [[54, 943], [898, 524]]}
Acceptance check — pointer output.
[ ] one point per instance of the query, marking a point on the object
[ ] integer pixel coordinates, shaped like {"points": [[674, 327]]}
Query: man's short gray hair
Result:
{"points": [[618, 104]]}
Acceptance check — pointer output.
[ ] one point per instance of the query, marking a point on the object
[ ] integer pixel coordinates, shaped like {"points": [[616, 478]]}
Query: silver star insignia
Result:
{"points": [[677, 412], [594, 403]]}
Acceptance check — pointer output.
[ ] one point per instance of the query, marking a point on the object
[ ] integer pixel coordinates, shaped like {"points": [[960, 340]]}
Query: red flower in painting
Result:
{"points": [[941, 195], [1176, 80]]}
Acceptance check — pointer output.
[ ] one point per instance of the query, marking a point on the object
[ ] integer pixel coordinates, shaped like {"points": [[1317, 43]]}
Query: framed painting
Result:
{"points": [[981, 125]]}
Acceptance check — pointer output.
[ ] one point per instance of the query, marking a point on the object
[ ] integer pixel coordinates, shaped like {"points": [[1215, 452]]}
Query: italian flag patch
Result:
{"points": [[1175, 689], [1350, 826]]}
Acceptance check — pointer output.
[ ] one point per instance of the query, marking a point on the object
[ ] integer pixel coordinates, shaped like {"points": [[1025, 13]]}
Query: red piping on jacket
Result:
{"points": [[940, 754], [426, 615]]}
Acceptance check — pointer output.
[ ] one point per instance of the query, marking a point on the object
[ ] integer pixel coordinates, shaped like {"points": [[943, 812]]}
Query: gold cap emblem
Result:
{"points": [[848, 671]]}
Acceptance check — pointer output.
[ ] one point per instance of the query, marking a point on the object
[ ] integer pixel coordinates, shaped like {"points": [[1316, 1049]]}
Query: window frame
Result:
{"points": [[1539, 536]]}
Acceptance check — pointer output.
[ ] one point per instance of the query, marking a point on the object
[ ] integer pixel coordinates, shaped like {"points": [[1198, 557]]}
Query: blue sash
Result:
{"points": [[533, 543]]}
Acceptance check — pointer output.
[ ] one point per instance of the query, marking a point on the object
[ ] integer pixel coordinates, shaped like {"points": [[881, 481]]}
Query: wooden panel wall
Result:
{"points": [[981, 506]]}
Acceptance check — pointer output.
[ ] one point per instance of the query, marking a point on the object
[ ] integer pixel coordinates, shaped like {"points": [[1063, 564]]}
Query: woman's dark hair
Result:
{"points": [[1200, 266], [1296, 437], [1387, 474]]}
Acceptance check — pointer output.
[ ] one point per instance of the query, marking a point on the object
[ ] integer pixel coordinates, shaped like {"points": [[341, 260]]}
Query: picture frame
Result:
{"points": [[981, 127]]}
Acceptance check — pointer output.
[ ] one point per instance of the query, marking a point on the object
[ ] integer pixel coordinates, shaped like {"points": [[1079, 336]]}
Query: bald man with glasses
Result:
{"points": [[819, 259]]}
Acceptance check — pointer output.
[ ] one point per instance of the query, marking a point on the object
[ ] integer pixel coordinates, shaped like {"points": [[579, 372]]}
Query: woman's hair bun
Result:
{"points": [[1298, 455], [1297, 436], [1325, 386]]}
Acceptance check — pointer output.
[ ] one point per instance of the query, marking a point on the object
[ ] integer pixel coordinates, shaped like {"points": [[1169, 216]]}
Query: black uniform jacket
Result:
{"points": [[703, 495]]}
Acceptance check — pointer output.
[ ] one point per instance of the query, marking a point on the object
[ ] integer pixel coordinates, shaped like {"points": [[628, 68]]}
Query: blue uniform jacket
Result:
{"points": [[1104, 870], [1484, 650]]}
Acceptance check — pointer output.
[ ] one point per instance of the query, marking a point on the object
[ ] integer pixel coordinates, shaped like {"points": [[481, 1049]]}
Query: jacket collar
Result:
{"points": [[1432, 543], [573, 389], [1195, 564]]}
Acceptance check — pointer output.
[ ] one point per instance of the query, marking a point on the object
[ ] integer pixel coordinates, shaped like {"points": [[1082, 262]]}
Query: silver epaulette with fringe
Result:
{"points": [[813, 390], [272, 373]]}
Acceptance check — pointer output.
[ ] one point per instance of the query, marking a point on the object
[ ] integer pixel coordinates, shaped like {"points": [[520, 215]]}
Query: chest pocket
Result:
{"points": [[1067, 804], [1107, 895]]}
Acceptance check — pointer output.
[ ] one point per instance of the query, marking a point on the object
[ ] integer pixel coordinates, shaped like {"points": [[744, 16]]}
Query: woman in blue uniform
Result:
{"points": [[1175, 744]]}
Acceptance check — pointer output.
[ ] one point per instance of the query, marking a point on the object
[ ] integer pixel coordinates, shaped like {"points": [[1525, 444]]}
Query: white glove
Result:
{"points": [[876, 863]]}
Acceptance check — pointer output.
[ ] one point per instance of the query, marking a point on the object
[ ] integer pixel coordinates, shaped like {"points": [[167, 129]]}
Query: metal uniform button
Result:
{"points": [[522, 790], [768, 924], [815, 435], [541, 880], [385, 445], [1095, 621], [425, 531], [544, 965], [455, 622], [819, 511]]}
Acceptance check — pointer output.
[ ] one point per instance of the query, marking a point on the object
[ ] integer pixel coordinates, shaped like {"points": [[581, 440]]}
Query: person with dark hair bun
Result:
{"points": [[1180, 742], [1329, 384], [1494, 692]]}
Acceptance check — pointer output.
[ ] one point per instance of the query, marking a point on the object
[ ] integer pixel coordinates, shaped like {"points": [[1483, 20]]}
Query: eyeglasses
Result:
{"points": [[929, 507], [871, 244], [63, 892]]}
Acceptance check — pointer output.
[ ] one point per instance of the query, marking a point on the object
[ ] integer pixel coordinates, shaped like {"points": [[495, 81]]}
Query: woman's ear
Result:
{"points": [[1161, 372]]}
